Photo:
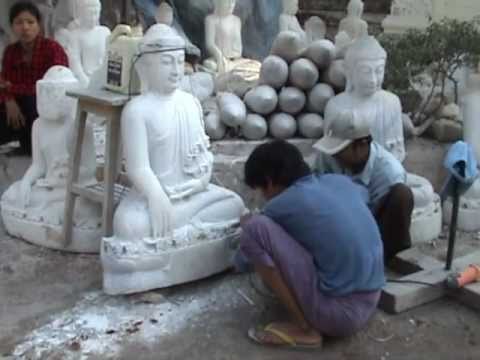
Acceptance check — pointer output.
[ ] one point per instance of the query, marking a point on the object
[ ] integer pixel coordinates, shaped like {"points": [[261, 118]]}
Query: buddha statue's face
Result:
{"points": [[367, 76], [290, 7], [224, 7], [52, 102], [164, 14], [163, 71], [88, 13]]}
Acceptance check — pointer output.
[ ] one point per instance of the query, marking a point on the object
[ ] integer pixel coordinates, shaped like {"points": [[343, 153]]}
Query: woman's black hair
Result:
{"points": [[22, 6], [278, 162]]}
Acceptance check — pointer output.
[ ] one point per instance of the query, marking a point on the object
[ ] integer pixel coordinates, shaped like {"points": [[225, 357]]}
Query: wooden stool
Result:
{"points": [[108, 105]]}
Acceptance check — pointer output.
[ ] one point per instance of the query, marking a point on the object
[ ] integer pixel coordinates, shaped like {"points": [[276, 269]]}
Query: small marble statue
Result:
{"points": [[353, 24], [315, 29], [173, 226], [32, 208], [85, 40], [223, 40], [365, 62], [288, 19]]}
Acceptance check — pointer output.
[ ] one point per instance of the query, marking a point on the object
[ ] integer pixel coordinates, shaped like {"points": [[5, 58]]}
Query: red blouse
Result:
{"points": [[22, 75]]}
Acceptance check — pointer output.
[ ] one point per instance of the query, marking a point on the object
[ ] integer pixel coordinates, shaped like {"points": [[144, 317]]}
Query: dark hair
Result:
{"points": [[277, 161], [22, 6]]}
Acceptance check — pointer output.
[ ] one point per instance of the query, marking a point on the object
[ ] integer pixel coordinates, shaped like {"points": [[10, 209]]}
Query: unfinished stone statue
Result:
{"points": [[32, 208], [288, 19], [173, 226], [469, 208], [165, 15], [85, 40], [365, 62], [353, 24], [315, 29], [408, 14]]}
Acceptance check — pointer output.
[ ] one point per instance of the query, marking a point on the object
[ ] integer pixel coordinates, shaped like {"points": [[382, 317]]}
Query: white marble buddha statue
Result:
{"points": [[223, 40], [353, 24], [288, 19], [33, 207], [173, 224], [85, 40], [365, 62]]}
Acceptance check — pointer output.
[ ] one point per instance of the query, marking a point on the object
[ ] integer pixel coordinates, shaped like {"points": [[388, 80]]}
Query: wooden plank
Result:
{"points": [[74, 170], [100, 96], [399, 297]]}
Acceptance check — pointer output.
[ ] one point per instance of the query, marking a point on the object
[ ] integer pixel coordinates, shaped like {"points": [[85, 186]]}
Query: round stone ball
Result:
{"points": [[274, 71], [310, 125], [303, 74], [262, 99], [335, 75], [291, 100], [214, 128], [288, 45], [321, 53], [233, 111], [318, 98], [282, 126], [255, 128]]}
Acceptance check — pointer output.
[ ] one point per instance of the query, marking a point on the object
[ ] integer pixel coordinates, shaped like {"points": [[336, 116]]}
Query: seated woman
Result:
{"points": [[24, 62]]}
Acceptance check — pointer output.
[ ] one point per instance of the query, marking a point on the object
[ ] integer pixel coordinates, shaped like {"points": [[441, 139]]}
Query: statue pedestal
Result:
{"points": [[131, 267], [469, 209]]}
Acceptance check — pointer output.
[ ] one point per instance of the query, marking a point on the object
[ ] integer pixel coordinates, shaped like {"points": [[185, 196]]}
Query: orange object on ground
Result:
{"points": [[469, 275]]}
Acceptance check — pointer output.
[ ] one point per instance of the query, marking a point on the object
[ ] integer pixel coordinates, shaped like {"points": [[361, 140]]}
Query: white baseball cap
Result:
{"points": [[347, 127]]}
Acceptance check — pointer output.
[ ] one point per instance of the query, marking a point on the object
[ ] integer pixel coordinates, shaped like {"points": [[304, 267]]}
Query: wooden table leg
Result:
{"points": [[74, 170], [110, 171]]}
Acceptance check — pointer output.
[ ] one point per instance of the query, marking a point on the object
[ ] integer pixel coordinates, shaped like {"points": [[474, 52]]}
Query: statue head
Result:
{"points": [[365, 62], [87, 13], [224, 7], [164, 14], [290, 7], [355, 8], [52, 102], [161, 60]]}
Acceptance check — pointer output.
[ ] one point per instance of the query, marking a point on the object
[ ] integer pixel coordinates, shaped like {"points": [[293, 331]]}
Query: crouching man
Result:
{"points": [[348, 149], [316, 246]]}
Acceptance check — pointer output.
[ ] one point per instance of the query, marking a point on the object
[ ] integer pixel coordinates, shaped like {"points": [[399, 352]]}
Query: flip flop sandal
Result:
{"points": [[288, 341]]}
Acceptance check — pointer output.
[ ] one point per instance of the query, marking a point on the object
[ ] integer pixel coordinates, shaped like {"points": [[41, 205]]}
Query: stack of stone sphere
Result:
{"points": [[296, 82]]}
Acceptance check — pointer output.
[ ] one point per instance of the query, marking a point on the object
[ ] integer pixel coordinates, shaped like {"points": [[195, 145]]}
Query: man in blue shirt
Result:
{"points": [[316, 246], [348, 149]]}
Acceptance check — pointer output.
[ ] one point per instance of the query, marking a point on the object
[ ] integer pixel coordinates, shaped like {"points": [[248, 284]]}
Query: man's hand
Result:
{"points": [[4, 84], [15, 117]]}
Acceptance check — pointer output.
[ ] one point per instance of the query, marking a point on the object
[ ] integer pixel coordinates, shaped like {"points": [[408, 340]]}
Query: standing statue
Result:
{"points": [[365, 62], [174, 225], [353, 24], [85, 40], [32, 208]]}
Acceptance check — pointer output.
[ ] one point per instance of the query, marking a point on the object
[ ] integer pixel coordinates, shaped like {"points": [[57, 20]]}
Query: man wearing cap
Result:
{"points": [[348, 149]]}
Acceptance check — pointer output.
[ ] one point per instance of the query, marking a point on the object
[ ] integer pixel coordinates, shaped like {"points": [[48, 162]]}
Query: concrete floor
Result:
{"points": [[52, 307]]}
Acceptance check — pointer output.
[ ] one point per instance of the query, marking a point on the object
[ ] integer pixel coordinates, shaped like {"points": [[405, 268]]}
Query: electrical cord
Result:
{"points": [[414, 282]]}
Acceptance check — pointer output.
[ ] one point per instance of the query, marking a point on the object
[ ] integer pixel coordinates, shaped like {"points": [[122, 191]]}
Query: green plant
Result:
{"points": [[441, 50]]}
